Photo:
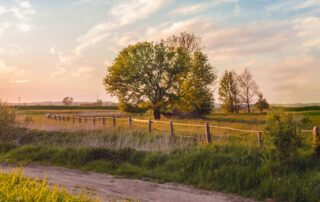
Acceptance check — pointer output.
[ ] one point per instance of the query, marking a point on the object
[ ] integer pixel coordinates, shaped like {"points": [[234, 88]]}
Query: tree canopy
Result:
{"points": [[166, 76]]}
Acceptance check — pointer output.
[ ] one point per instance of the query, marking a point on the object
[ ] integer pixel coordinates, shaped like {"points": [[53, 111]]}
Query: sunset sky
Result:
{"points": [[50, 49]]}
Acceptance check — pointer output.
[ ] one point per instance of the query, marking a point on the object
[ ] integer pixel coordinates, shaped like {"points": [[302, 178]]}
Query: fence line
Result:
{"points": [[170, 129]]}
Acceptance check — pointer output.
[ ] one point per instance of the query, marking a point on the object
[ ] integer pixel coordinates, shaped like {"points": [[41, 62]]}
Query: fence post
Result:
{"points": [[79, 119], [85, 119], [59, 117], [316, 141], [114, 121], [94, 120], [208, 135], [259, 138], [55, 117], [129, 122], [103, 120], [73, 119], [68, 118], [150, 126], [171, 129]]}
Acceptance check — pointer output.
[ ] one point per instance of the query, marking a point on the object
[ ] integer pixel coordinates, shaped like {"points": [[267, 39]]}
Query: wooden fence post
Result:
{"points": [[259, 138], [315, 134], [129, 122], [150, 126], [208, 135], [94, 120], [103, 120], [55, 117], [316, 141], [171, 129], [79, 119], [59, 117], [68, 118], [73, 119], [85, 119], [114, 121]]}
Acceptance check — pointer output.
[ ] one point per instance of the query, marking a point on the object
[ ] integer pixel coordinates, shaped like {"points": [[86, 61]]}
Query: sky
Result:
{"points": [[52, 49]]}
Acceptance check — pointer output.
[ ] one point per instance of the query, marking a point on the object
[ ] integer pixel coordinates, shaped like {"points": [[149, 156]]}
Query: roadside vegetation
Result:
{"points": [[285, 168], [15, 187]]}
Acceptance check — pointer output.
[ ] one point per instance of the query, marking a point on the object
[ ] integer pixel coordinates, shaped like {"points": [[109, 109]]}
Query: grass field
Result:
{"points": [[237, 165]]}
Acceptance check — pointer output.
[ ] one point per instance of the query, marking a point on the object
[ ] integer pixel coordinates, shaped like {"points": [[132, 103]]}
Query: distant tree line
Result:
{"points": [[173, 77]]}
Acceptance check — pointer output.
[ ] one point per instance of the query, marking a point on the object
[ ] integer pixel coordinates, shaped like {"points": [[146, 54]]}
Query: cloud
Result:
{"points": [[93, 36], [3, 10], [134, 10], [18, 16], [11, 73], [58, 72], [4, 68], [199, 7], [19, 81], [122, 14], [23, 27], [295, 78], [82, 72], [52, 50]]}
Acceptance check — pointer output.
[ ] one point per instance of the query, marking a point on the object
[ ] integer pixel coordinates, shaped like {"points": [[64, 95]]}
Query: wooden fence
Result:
{"points": [[207, 128]]}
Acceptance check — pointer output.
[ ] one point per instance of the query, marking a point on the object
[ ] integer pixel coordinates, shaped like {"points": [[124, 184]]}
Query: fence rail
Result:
{"points": [[149, 124]]}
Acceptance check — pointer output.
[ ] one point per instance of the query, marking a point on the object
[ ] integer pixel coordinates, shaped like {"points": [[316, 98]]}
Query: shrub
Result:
{"points": [[7, 120], [283, 137]]}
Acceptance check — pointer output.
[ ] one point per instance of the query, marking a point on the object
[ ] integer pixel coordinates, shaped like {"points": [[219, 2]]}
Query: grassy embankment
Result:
{"points": [[15, 187]]}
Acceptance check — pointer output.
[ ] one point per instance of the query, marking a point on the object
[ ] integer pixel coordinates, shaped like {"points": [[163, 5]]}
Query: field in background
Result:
{"points": [[37, 119]]}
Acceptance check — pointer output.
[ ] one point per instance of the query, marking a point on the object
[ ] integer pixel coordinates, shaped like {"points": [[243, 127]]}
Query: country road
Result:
{"points": [[111, 188]]}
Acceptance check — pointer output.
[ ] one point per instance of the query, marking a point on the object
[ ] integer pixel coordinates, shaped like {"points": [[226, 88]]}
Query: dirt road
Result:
{"points": [[111, 188]]}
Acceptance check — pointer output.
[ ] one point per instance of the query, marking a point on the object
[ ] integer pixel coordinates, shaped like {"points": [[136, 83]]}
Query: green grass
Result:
{"points": [[14, 187], [224, 167], [299, 109]]}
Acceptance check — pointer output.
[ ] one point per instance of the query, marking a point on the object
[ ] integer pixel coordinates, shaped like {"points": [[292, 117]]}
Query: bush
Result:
{"points": [[283, 137], [7, 121]]}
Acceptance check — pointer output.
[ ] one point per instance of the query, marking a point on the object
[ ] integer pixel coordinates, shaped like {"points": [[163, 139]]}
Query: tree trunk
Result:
{"points": [[156, 113], [248, 105]]}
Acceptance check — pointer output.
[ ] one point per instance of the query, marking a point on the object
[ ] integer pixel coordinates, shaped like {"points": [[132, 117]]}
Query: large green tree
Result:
{"points": [[162, 76]]}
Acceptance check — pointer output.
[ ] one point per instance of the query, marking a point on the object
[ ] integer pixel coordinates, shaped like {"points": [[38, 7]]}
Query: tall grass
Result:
{"points": [[113, 139], [223, 167], [14, 187]]}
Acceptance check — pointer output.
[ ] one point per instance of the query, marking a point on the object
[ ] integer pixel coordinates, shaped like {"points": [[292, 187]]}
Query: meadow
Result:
{"points": [[236, 164]]}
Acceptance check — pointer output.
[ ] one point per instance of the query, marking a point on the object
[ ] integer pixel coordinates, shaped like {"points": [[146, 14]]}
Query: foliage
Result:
{"points": [[67, 101], [157, 76], [283, 137], [7, 120], [222, 167], [229, 91], [15, 187], [262, 103], [248, 88], [196, 94]]}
